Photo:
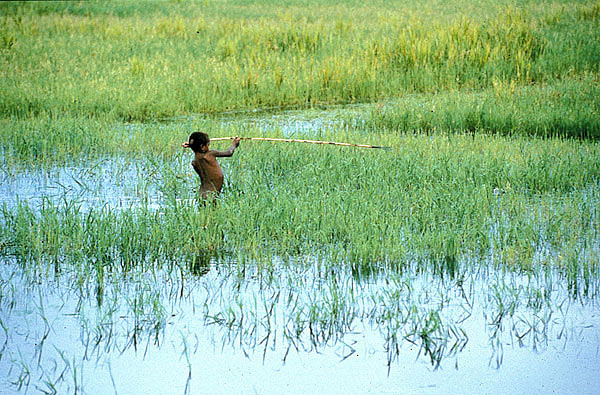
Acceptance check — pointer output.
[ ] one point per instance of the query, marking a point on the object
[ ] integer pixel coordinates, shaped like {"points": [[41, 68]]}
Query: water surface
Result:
{"points": [[212, 324], [225, 329]]}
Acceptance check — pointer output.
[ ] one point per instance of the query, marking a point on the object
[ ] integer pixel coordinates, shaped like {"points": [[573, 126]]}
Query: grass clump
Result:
{"points": [[565, 109]]}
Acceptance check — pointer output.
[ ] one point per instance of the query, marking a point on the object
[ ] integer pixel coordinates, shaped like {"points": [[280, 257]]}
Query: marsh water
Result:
{"points": [[224, 331], [212, 324]]}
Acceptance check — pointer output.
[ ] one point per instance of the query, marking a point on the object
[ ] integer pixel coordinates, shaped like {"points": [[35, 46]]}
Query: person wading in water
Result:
{"points": [[206, 165]]}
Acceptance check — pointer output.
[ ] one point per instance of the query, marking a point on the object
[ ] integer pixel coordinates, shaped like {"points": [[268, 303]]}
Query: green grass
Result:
{"points": [[490, 109], [569, 108], [434, 197], [95, 59], [566, 109]]}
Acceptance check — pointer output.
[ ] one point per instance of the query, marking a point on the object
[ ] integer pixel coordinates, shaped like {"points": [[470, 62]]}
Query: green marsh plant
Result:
{"points": [[206, 58]]}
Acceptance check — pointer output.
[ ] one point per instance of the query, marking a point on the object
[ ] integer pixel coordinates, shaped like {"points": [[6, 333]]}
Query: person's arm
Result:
{"points": [[229, 152]]}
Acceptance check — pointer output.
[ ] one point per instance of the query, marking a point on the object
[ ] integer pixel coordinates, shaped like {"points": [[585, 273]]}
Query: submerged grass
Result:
{"points": [[435, 198], [307, 307]]}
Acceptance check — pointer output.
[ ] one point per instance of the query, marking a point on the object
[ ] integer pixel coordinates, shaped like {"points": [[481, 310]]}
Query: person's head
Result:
{"points": [[198, 140]]}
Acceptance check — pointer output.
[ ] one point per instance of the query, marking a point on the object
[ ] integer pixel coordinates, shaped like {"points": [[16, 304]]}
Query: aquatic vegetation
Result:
{"points": [[435, 197], [307, 245], [476, 235], [273, 319]]}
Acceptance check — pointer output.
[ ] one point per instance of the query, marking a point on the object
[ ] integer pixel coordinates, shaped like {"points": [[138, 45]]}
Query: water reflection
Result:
{"points": [[201, 263], [61, 333]]}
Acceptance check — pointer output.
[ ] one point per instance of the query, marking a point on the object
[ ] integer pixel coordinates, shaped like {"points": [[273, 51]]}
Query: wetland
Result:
{"points": [[464, 259]]}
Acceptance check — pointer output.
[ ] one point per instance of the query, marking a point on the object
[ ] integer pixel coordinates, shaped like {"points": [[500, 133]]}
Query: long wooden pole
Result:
{"points": [[301, 141]]}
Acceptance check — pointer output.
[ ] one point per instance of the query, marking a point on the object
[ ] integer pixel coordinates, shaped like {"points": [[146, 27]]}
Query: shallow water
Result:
{"points": [[227, 330], [295, 123], [109, 183], [214, 325], [116, 183], [94, 185]]}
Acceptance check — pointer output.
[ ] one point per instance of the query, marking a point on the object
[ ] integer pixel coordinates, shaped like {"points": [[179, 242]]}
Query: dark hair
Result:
{"points": [[198, 139]]}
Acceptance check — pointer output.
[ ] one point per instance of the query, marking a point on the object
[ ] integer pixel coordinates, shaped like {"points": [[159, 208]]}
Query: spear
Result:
{"points": [[301, 141]]}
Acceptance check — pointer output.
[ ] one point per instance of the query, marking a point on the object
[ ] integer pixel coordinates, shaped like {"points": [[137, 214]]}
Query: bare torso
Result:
{"points": [[205, 163], [211, 174]]}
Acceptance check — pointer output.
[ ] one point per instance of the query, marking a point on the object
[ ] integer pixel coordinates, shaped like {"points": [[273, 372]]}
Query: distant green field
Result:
{"points": [[162, 59]]}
